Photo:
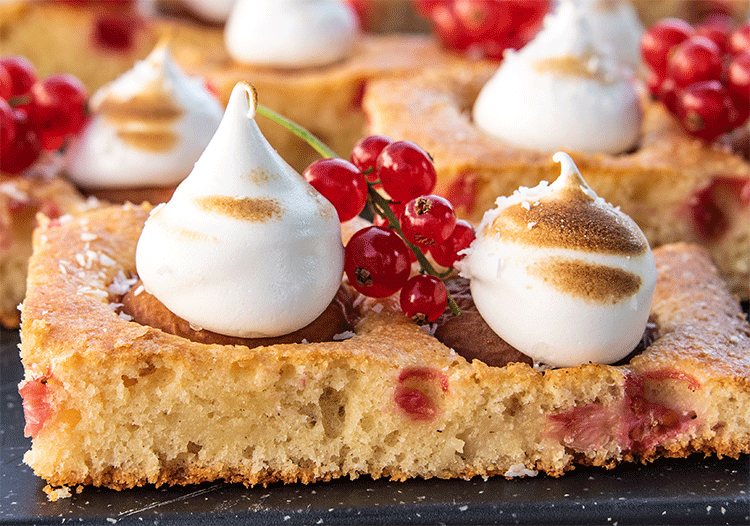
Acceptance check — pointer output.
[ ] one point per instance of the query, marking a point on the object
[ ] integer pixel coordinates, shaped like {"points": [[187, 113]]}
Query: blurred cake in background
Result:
{"points": [[94, 40], [667, 170]]}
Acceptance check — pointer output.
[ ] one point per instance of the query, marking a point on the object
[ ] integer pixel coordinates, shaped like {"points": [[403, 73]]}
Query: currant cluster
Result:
{"points": [[408, 224], [36, 115], [701, 73], [484, 28]]}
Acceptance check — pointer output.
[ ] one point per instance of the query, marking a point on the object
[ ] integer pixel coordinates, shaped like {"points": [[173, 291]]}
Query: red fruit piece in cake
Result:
{"points": [[37, 404], [417, 391], [709, 205]]}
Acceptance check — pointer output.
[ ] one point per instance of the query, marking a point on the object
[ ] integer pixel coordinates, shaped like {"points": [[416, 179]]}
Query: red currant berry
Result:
{"points": [[341, 183], [57, 109], [405, 171], [446, 254], [738, 79], [25, 149], [365, 154], [6, 84], [695, 60], [669, 95], [22, 74], [739, 39], [484, 28], [424, 298], [428, 220], [425, 7], [717, 28], [705, 110], [7, 128], [376, 261], [659, 39]]}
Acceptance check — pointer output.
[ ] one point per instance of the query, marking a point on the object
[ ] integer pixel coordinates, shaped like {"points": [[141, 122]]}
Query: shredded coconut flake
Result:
{"points": [[519, 470], [138, 291], [121, 284], [105, 260], [343, 336]]}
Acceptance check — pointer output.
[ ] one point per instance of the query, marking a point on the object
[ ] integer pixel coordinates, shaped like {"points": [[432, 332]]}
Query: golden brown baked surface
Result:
{"points": [[388, 401], [21, 199], [662, 184]]}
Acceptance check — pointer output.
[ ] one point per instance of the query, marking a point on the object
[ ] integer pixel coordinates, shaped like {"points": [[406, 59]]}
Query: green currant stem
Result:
{"points": [[298, 130], [380, 204], [377, 201]]}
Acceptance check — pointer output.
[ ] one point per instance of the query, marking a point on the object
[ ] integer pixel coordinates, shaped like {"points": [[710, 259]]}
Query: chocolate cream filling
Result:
{"points": [[467, 334]]}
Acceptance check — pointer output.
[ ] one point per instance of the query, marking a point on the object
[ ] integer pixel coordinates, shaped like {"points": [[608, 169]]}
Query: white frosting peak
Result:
{"points": [[245, 247], [291, 33], [562, 91], [562, 275], [148, 127]]}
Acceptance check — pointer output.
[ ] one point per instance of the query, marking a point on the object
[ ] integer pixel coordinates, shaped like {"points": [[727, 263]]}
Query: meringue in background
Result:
{"points": [[616, 29], [216, 11], [148, 128], [560, 274], [245, 247], [291, 33], [562, 91]]}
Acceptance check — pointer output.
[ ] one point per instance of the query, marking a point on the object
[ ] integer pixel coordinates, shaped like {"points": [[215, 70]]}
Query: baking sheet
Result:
{"points": [[682, 491]]}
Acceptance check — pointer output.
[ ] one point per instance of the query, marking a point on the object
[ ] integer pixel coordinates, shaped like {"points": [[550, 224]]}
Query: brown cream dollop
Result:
{"points": [[144, 308], [469, 335]]}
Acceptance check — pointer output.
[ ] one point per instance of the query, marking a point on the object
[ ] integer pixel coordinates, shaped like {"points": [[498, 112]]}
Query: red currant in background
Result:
{"points": [[484, 28], [717, 27], [738, 79], [424, 298], [659, 39], [57, 109], [7, 128], [6, 83], [705, 109], [365, 154], [22, 74], [405, 171], [341, 183], [694, 60], [377, 261], [428, 220], [446, 253], [739, 39], [25, 149]]}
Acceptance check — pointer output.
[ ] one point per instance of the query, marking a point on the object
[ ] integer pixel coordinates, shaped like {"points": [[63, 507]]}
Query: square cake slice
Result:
{"points": [[111, 402]]}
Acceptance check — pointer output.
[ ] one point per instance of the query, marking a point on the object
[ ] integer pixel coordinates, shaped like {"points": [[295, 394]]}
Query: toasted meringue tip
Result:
{"points": [[251, 95]]}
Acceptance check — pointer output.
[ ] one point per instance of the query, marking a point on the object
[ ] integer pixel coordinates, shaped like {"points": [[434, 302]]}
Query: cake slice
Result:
{"points": [[111, 402], [21, 199], [676, 187]]}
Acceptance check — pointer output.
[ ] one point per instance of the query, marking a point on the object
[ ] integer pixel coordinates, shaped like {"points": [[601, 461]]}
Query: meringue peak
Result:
{"points": [[246, 247], [562, 254]]}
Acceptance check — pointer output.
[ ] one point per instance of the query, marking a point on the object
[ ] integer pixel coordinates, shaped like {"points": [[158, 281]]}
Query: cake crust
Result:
{"points": [[390, 401]]}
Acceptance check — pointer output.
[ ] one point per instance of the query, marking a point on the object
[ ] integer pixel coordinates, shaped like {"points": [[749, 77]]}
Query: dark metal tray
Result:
{"points": [[685, 491]]}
